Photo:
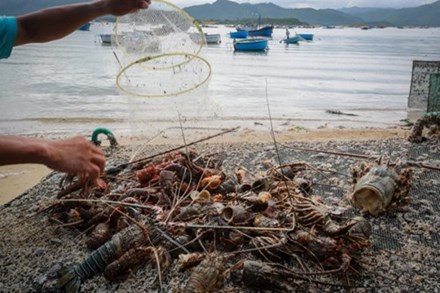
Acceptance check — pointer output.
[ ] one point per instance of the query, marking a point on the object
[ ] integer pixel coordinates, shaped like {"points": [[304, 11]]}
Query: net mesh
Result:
{"points": [[434, 93], [160, 52]]}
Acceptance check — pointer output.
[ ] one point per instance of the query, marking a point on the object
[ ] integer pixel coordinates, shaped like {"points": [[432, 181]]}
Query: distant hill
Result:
{"points": [[362, 10], [228, 10], [424, 15]]}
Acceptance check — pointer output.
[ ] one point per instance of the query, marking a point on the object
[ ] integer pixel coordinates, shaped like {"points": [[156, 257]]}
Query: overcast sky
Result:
{"points": [[319, 4]]}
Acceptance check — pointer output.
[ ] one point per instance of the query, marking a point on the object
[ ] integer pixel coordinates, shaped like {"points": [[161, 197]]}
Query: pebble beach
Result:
{"points": [[404, 256]]}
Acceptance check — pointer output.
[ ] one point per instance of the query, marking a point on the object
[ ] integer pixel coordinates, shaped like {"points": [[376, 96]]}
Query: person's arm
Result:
{"points": [[75, 155], [57, 22]]}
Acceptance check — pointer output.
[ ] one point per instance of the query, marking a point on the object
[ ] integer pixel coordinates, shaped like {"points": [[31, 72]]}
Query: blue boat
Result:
{"points": [[292, 40], [85, 27], [262, 32], [250, 45], [239, 35], [307, 37]]}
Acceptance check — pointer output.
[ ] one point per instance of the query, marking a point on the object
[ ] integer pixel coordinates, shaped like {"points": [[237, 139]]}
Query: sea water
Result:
{"points": [[68, 86]]}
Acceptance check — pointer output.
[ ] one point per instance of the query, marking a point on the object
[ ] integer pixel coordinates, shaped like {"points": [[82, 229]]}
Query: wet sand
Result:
{"points": [[16, 179]]}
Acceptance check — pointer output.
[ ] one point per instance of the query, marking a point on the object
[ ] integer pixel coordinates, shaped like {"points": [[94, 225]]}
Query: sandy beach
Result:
{"points": [[16, 179]]}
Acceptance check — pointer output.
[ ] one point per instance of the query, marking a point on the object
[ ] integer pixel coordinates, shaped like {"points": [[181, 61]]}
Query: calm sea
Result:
{"points": [[68, 86]]}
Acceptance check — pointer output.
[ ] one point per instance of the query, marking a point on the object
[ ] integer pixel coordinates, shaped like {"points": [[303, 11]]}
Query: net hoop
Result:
{"points": [[151, 58], [202, 39]]}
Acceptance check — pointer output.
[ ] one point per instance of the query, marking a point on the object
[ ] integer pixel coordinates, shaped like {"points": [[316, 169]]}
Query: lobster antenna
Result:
{"points": [[272, 134]]}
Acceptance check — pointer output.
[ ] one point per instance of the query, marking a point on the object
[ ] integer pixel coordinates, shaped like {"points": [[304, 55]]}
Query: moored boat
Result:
{"points": [[106, 38], [265, 31], [213, 38], [239, 34], [292, 40], [85, 27], [307, 37], [257, 44]]}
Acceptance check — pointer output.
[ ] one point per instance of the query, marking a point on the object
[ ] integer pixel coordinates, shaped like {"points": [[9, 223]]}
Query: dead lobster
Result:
{"points": [[310, 212], [132, 236], [206, 277]]}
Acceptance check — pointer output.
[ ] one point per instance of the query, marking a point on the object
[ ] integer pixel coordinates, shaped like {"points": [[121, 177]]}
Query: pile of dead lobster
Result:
{"points": [[181, 212]]}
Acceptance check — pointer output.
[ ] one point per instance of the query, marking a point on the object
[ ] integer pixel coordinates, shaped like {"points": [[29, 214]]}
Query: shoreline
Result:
{"points": [[16, 179]]}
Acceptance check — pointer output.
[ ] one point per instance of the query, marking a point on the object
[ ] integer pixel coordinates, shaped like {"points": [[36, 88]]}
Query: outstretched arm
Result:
{"points": [[73, 155], [57, 22]]}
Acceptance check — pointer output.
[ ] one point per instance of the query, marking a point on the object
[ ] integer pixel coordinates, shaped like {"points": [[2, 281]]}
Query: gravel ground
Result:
{"points": [[405, 256]]}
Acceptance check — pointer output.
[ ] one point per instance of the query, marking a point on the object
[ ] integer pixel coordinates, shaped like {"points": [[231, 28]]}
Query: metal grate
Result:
{"points": [[434, 93], [421, 71], [383, 239]]}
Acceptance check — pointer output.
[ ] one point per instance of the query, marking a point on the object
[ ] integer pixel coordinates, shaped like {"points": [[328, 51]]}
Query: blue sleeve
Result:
{"points": [[8, 35]]}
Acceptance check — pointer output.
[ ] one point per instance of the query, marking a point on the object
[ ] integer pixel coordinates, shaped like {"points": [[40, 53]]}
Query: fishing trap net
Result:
{"points": [[160, 54]]}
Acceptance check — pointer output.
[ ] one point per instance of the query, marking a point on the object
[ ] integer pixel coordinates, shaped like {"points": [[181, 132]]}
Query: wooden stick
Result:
{"points": [[330, 152], [178, 148]]}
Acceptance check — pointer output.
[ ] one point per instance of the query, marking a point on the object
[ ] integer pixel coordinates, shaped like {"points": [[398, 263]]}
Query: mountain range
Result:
{"points": [[222, 10], [424, 15]]}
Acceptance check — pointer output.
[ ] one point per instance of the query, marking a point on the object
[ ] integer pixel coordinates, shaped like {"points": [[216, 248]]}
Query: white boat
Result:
{"points": [[106, 38], [213, 38]]}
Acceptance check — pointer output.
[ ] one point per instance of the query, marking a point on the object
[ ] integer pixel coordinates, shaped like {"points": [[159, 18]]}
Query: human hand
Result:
{"points": [[76, 156], [122, 7]]}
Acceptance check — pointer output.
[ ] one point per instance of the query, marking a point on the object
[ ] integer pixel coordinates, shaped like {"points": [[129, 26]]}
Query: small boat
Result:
{"points": [[209, 38], [106, 38], [307, 37], [213, 38], [85, 27], [251, 45], [261, 32], [292, 40], [239, 34]]}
